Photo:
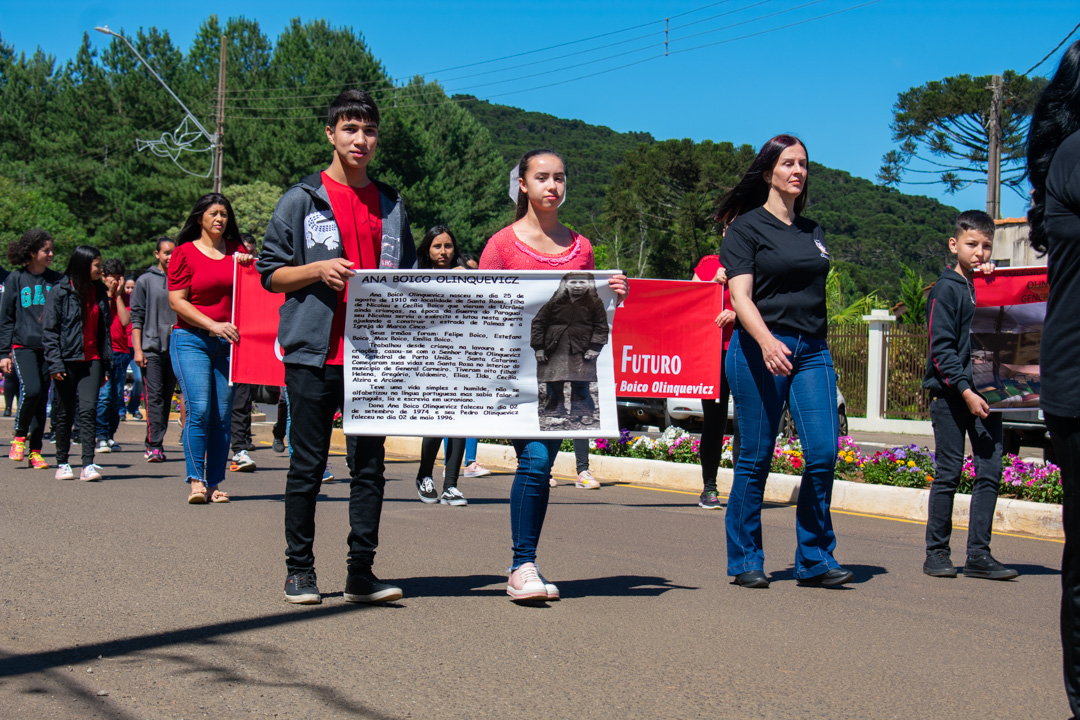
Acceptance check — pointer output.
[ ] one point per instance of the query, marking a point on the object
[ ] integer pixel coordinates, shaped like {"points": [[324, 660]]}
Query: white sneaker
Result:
{"points": [[525, 584], [550, 587], [475, 470], [102, 447], [91, 473], [587, 481], [242, 462], [452, 496], [425, 488], [64, 472]]}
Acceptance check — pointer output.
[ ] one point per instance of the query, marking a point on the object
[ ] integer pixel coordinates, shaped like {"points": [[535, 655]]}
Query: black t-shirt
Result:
{"points": [[1060, 394], [789, 264]]}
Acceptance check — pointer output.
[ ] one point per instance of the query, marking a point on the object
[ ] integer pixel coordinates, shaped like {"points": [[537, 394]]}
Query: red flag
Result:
{"points": [[1012, 286], [256, 359], [665, 340]]}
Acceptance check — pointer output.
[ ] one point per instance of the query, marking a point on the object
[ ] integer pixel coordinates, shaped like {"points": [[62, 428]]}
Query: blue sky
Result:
{"points": [[832, 81]]}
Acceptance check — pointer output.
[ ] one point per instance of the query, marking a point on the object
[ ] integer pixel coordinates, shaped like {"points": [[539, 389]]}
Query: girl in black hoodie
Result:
{"points": [[77, 347], [21, 346]]}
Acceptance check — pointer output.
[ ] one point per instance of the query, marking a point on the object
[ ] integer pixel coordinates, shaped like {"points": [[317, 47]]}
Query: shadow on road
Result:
{"points": [[477, 586], [863, 573]]}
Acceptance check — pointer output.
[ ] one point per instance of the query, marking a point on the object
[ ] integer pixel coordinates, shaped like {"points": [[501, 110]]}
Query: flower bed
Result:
{"points": [[903, 466]]}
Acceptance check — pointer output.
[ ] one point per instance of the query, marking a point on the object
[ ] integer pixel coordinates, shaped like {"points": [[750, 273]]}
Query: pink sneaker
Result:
{"points": [[587, 481], [525, 584]]}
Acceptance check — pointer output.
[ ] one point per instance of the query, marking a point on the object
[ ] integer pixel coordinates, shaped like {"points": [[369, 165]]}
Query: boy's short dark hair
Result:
{"points": [[249, 241], [975, 220], [113, 266], [353, 105]]}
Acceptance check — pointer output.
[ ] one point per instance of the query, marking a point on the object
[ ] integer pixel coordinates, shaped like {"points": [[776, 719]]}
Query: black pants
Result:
{"points": [[430, 448], [82, 382], [953, 421], [33, 395], [713, 424], [11, 389], [241, 417], [159, 382], [314, 397], [1065, 433], [282, 422]]}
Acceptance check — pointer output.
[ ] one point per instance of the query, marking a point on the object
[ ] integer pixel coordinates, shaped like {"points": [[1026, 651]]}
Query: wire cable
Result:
{"points": [[1047, 57]]}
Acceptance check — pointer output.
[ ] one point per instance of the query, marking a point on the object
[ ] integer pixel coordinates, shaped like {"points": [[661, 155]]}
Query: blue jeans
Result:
{"points": [[201, 363], [529, 496], [111, 396], [810, 391], [136, 389]]}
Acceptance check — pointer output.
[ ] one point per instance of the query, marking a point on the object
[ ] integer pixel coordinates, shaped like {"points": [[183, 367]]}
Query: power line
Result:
{"points": [[1071, 33]]}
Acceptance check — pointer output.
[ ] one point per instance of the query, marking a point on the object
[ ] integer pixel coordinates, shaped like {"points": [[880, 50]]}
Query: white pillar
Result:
{"points": [[878, 320]]}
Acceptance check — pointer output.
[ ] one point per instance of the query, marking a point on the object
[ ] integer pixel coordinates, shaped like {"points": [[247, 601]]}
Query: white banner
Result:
{"points": [[481, 353]]}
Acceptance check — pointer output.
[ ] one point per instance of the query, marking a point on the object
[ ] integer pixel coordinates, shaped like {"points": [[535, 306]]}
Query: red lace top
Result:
{"points": [[504, 251]]}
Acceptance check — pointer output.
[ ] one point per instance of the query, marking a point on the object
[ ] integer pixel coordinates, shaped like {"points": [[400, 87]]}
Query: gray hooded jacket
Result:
{"points": [[302, 231], [150, 311]]}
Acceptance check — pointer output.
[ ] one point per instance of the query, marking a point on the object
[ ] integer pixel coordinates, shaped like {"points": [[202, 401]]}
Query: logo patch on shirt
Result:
{"points": [[321, 231], [821, 247]]}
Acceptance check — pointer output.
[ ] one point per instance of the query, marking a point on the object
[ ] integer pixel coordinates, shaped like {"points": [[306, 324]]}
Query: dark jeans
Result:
{"points": [[713, 424], [529, 496], [111, 396], [82, 382], [315, 394], [159, 381], [952, 422], [282, 423], [581, 454], [810, 390], [1065, 433], [430, 448], [241, 417], [33, 395]]}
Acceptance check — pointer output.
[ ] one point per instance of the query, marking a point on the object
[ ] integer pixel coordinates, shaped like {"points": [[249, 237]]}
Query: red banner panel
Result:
{"points": [[1011, 286], [665, 340], [256, 359]]}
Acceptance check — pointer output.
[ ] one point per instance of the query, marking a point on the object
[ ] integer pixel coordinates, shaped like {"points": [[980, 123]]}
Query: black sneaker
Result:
{"points": [[939, 564], [300, 588], [985, 566], [279, 445], [710, 500], [363, 587], [425, 488]]}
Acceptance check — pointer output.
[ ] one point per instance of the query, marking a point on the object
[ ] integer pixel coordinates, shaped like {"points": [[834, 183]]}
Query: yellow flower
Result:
{"points": [[911, 463]]}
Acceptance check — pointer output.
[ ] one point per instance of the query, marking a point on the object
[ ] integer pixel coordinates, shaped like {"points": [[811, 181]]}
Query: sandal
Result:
{"points": [[197, 496], [219, 496]]}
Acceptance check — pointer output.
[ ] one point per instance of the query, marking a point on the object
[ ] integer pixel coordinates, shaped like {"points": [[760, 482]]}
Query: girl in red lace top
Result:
{"points": [[536, 241]]}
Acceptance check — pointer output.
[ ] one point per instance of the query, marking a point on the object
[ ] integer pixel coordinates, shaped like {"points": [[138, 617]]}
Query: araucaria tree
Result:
{"points": [[944, 130]]}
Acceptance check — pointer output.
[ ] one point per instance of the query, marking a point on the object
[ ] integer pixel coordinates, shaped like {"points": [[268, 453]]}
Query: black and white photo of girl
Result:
{"points": [[568, 334]]}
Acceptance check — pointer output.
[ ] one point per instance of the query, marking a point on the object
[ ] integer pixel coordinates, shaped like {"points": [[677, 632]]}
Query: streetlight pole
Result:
{"points": [[212, 138]]}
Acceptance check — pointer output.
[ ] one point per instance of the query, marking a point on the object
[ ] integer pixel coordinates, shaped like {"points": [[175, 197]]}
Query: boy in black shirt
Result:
{"points": [[957, 409]]}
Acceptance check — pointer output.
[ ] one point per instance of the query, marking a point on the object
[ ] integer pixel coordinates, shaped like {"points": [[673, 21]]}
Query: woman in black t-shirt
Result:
{"points": [[1054, 170], [776, 263]]}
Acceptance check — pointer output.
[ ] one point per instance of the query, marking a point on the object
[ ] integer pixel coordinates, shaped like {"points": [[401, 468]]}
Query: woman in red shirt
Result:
{"points": [[536, 241], [200, 292]]}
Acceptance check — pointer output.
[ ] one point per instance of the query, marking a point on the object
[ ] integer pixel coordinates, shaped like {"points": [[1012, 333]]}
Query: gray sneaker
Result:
{"points": [[301, 588]]}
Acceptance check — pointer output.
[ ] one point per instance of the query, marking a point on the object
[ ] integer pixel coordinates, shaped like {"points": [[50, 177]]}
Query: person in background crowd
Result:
{"points": [[369, 220], [536, 240], [1054, 170], [473, 469], [131, 407], [776, 263], [439, 251], [714, 412], [111, 396], [21, 345], [585, 479], [152, 320], [78, 347], [200, 292], [11, 380], [241, 409]]}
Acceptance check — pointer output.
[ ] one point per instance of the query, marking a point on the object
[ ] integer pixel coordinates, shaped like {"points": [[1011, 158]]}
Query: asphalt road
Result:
{"points": [[176, 611]]}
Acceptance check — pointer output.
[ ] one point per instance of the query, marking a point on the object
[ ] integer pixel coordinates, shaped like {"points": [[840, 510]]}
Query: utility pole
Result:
{"points": [[219, 146], [993, 156]]}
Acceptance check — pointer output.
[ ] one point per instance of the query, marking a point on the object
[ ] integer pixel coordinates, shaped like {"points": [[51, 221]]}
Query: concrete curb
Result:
{"points": [[1014, 516]]}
